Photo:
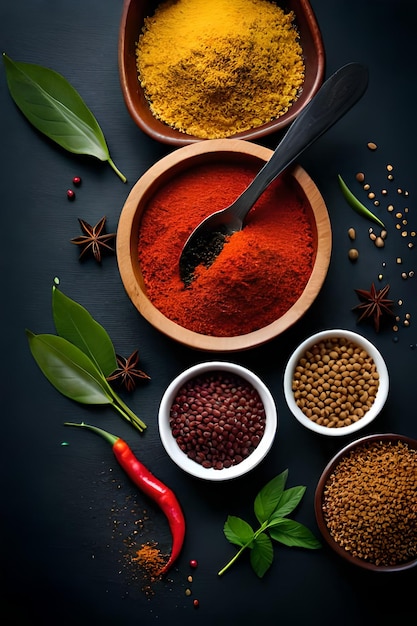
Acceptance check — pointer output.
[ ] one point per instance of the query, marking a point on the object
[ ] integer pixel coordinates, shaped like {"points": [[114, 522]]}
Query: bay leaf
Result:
{"points": [[68, 369], [74, 323], [56, 109]]}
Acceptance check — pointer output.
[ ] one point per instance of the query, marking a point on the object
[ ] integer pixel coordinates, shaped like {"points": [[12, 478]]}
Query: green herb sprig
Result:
{"points": [[78, 360], [271, 507], [356, 205], [56, 109]]}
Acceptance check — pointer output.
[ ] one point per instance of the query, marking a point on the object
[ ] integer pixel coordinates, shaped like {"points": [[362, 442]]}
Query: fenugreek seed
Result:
{"points": [[372, 145], [188, 592], [367, 186], [372, 236], [352, 234]]}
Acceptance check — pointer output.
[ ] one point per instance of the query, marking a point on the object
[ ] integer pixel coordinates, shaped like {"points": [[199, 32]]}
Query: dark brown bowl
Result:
{"points": [[133, 15], [319, 499]]}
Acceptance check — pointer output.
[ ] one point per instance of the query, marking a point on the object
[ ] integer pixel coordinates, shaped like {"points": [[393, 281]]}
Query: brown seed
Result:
{"points": [[360, 177], [379, 242], [352, 234], [372, 145], [353, 254]]}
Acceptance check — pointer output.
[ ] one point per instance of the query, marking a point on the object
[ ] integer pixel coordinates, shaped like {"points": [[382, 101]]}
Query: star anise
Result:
{"points": [[127, 372], [94, 239], [374, 305]]}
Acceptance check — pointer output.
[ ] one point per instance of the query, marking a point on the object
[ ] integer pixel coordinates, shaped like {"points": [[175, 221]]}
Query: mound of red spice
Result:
{"points": [[261, 271]]}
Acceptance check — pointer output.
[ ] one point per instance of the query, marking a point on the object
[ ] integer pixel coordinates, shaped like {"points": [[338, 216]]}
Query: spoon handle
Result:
{"points": [[335, 97]]}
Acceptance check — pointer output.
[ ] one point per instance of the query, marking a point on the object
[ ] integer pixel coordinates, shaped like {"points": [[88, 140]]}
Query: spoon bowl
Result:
{"points": [[335, 98]]}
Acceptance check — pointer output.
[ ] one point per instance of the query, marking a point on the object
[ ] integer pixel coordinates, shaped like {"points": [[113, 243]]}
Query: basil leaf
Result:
{"points": [[290, 498], [68, 369], [74, 323], [237, 531], [292, 533], [56, 109], [261, 555], [268, 498]]}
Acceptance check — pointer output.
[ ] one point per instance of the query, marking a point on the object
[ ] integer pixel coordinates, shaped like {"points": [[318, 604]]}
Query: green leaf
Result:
{"points": [[68, 369], [290, 498], [356, 205], [292, 533], [262, 554], [268, 498], [237, 531], [56, 109], [74, 323]]}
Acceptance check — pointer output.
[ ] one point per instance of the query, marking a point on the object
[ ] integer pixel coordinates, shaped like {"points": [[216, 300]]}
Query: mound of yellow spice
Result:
{"points": [[213, 68]]}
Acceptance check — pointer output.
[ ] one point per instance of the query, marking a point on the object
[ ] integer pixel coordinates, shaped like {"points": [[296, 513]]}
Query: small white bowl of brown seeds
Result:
{"points": [[336, 382], [217, 420]]}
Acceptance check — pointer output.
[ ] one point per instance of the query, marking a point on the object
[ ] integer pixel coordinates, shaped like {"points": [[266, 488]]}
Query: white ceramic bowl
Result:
{"points": [[370, 414], [193, 467]]}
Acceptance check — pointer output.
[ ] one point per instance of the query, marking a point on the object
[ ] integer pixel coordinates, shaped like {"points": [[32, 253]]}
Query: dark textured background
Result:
{"points": [[67, 511]]}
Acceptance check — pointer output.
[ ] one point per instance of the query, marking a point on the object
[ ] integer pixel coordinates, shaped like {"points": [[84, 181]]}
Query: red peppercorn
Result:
{"points": [[196, 603], [70, 194], [193, 563], [76, 180]]}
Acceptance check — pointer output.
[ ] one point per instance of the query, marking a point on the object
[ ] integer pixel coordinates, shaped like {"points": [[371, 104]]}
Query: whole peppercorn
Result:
{"points": [[76, 180], [70, 194]]}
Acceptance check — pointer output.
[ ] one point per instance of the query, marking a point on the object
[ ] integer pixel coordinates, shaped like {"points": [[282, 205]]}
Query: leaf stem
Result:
{"points": [[260, 530], [116, 169]]}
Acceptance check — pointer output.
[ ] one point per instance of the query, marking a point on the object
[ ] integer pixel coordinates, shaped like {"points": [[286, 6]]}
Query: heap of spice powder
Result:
{"points": [[261, 271], [369, 503], [214, 68]]}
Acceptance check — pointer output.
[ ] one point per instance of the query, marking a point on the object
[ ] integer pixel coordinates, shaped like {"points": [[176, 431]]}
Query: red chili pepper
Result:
{"points": [[151, 486]]}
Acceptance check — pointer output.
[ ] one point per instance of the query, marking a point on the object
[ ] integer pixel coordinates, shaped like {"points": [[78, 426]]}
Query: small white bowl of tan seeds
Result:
{"points": [[336, 382]]}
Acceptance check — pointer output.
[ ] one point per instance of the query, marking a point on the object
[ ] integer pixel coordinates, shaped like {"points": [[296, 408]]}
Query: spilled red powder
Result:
{"points": [[262, 269]]}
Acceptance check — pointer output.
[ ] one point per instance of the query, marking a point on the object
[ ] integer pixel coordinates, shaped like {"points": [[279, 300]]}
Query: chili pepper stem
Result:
{"points": [[111, 439]]}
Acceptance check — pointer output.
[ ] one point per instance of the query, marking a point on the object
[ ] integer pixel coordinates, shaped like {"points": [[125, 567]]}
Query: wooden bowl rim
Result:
{"points": [[141, 114], [127, 237]]}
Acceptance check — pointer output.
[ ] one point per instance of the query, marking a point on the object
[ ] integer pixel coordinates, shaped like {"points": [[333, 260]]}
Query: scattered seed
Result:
{"points": [[190, 579], [399, 190], [188, 592], [193, 563], [360, 177], [380, 277], [70, 194], [390, 177], [353, 254], [352, 234], [376, 202], [390, 168], [390, 208], [196, 603], [379, 242], [411, 273], [384, 234], [76, 180], [371, 195], [404, 275], [399, 260], [372, 145], [384, 192], [367, 187]]}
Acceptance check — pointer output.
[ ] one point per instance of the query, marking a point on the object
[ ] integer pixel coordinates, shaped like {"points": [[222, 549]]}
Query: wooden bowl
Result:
{"points": [[386, 439], [233, 151], [134, 12]]}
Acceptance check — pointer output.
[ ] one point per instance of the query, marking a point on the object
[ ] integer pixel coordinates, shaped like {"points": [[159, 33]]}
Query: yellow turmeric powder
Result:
{"points": [[214, 68]]}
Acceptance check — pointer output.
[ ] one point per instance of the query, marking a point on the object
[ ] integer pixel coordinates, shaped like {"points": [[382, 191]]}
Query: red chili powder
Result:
{"points": [[262, 269]]}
